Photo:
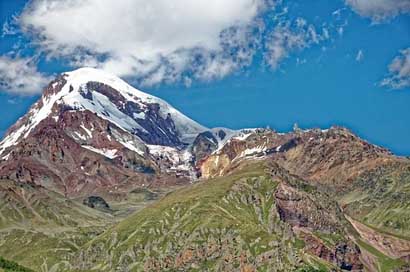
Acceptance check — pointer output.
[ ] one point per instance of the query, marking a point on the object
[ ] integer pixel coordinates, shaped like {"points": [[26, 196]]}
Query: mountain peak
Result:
{"points": [[112, 99], [83, 75]]}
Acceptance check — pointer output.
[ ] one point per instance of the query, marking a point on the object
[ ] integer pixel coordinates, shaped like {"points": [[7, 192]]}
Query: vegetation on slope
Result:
{"points": [[240, 221], [10, 266], [385, 263], [226, 224], [381, 199]]}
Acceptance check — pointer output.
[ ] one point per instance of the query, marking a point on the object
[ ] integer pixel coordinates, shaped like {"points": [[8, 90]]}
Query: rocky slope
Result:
{"points": [[333, 156], [85, 178]]}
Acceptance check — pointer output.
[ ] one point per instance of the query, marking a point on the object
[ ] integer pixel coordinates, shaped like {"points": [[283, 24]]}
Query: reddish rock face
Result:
{"points": [[335, 156], [55, 155], [299, 210], [52, 159], [345, 255], [311, 213]]}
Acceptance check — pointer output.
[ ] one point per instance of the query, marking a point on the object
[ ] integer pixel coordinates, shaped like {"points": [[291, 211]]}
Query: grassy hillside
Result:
{"points": [[225, 224], [257, 219], [381, 199], [49, 226], [26, 205]]}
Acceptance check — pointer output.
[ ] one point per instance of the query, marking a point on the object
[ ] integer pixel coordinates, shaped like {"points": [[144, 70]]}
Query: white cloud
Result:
{"points": [[359, 55], [10, 27], [20, 76], [288, 37], [379, 10], [7, 29], [154, 41], [399, 71]]}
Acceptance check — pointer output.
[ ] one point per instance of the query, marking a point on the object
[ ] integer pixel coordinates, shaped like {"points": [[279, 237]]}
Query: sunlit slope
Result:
{"points": [[224, 224]]}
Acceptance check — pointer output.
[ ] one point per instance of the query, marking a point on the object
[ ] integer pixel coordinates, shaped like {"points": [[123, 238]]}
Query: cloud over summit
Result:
{"points": [[20, 76], [156, 40]]}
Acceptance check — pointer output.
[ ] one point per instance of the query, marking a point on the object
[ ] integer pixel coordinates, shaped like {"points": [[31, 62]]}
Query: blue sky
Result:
{"points": [[313, 63]]}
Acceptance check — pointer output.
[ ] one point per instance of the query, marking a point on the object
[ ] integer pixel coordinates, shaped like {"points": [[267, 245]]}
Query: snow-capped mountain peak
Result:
{"points": [[87, 89]]}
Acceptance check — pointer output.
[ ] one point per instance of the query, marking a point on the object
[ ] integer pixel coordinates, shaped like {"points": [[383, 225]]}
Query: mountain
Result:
{"points": [[99, 176], [90, 126]]}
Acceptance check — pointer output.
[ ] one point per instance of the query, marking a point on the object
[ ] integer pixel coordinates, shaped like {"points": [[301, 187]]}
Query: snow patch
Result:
{"points": [[79, 136], [109, 153], [140, 115], [12, 138], [239, 135], [131, 146], [242, 136], [5, 158], [180, 159], [89, 133], [252, 151], [104, 108]]}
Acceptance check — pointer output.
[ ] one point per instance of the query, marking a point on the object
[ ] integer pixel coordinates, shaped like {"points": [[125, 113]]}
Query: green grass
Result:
{"points": [[36, 249], [379, 198], [299, 243], [309, 268], [207, 192], [329, 239], [10, 266], [385, 232], [237, 211], [385, 263], [314, 263]]}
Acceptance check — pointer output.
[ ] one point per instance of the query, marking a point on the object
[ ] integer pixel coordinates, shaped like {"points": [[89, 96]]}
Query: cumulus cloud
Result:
{"points": [[290, 36], [154, 41], [20, 76], [379, 10], [399, 71]]}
